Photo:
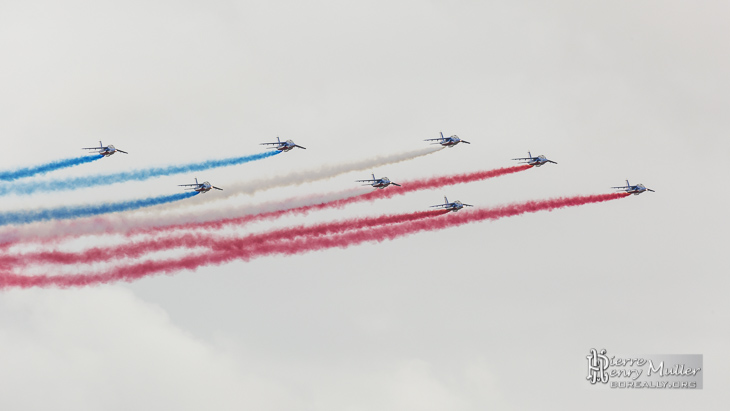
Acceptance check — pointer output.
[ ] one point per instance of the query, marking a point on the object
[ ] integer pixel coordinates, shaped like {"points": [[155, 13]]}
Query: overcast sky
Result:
{"points": [[492, 315]]}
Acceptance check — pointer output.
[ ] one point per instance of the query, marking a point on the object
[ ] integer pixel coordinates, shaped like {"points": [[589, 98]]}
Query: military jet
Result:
{"points": [[203, 187], [378, 182], [535, 161], [637, 189], [447, 141], [455, 206], [283, 145], [105, 151]]}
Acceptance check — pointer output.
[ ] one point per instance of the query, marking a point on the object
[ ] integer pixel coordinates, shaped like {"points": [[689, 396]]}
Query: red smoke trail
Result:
{"points": [[191, 240], [281, 242], [391, 191], [409, 186], [197, 259]]}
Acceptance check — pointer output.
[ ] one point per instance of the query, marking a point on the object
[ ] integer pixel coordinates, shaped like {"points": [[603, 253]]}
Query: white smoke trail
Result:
{"points": [[125, 222], [162, 215], [301, 177]]}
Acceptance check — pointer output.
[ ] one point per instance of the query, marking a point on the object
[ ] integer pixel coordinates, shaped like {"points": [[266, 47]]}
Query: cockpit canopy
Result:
{"points": [[290, 141], [110, 147]]}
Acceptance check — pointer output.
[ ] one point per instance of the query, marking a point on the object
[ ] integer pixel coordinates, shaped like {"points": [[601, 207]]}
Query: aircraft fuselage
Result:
{"points": [[450, 142]]}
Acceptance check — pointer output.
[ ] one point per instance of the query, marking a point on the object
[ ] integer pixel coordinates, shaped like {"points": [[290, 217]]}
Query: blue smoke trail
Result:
{"points": [[135, 175], [48, 167], [63, 213]]}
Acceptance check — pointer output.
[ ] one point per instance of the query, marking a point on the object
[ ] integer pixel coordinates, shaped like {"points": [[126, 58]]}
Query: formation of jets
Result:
{"points": [[282, 145], [455, 206], [447, 141], [203, 187], [636, 190], [534, 161], [382, 182], [105, 151], [378, 182]]}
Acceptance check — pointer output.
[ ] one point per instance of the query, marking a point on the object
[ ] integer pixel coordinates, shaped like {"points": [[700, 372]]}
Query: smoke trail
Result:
{"points": [[11, 175], [192, 240], [285, 207], [137, 222], [301, 177], [406, 187], [135, 175], [237, 215], [282, 242], [25, 217]]}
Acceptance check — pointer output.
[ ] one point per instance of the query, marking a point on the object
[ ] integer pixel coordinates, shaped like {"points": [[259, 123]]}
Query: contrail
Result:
{"points": [[25, 217], [308, 176], [135, 175], [11, 175], [287, 242], [235, 214]]}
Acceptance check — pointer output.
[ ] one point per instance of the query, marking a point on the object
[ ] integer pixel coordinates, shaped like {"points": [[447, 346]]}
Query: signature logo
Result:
{"points": [[597, 366]]}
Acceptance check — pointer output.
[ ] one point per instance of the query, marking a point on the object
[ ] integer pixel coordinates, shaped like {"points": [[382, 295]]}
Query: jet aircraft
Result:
{"points": [[105, 151], [636, 190], [379, 182], [283, 145], [203, 187], [455, 206], [535, 161], [447, 141]]}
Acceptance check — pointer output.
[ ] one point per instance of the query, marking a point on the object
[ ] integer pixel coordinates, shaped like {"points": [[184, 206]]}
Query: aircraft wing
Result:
{"points": [[187, 185], [217, 188], [263, 144], [622, 187], [433, 139], [464, 141], [366, 181], [551, 161], [649, 189], [300, 146], [93, 148], [441, 205], [467, 205], [122, 151], [395, 184]]}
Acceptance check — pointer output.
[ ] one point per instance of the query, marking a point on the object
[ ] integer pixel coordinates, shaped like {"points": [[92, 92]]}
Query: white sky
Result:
{"points": [[490, 315]]}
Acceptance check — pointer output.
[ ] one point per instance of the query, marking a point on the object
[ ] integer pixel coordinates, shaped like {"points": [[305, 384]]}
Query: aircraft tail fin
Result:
{"points": [[446, 200]]}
